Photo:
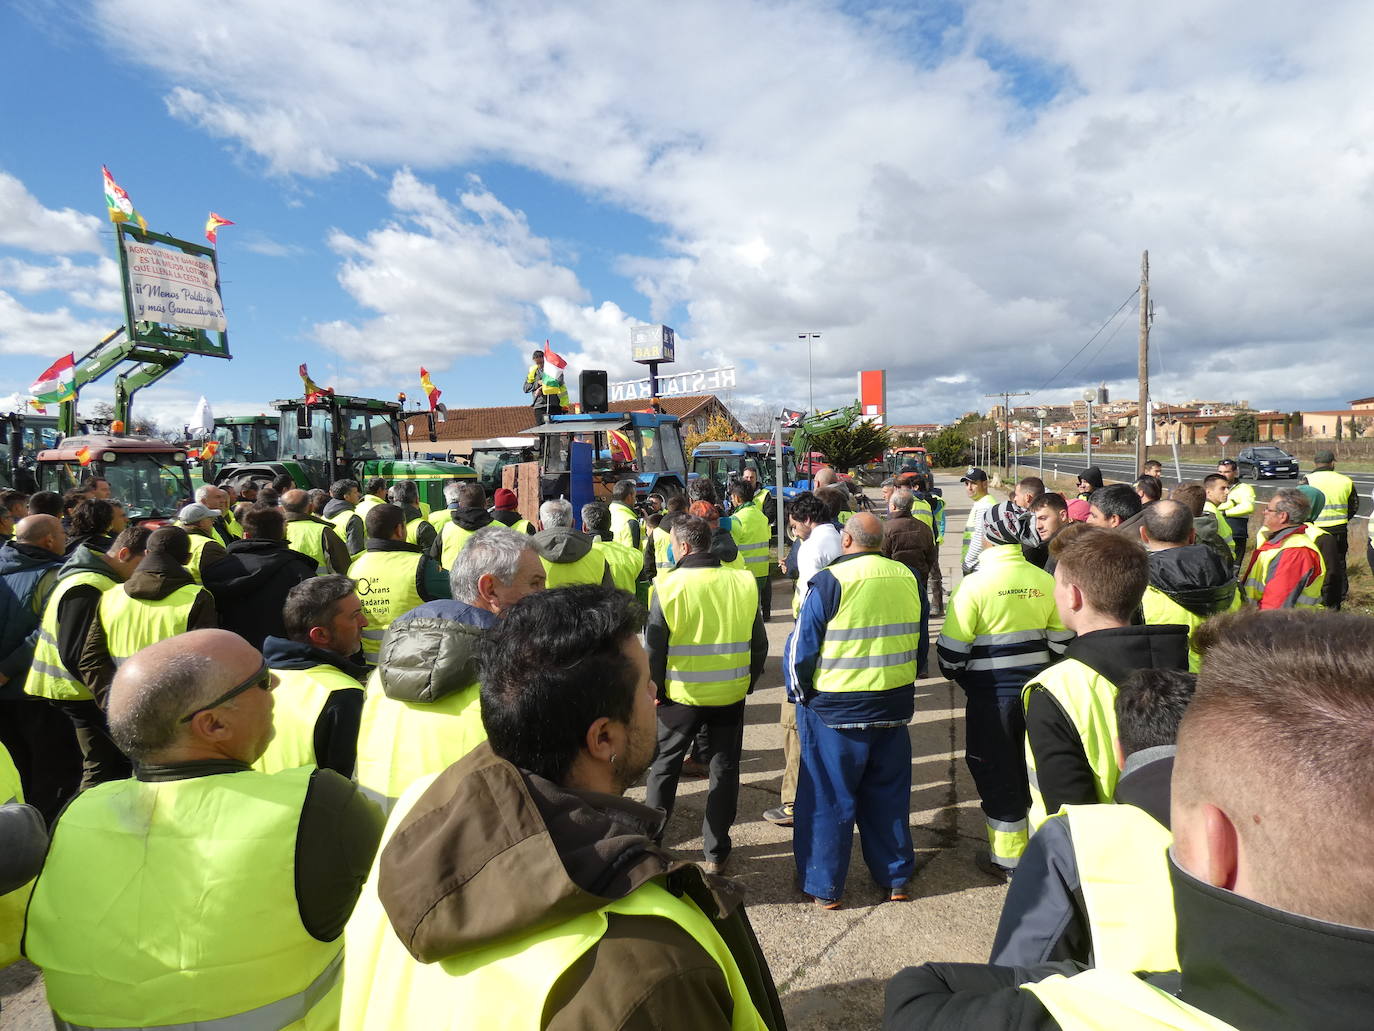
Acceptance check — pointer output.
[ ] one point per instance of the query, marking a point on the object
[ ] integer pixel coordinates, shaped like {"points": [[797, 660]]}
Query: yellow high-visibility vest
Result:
{"points": [[12, 904], [504, 984], [188, 914], [710, 616], [749, 528], [386, 587], [297, 701], [1088, 699], [307, 537], [1261, 566], [1115, 1000], [870, 643], [626, 563], [131, 624], [589, 569], [198, 543], [1337, 488], [48, 678], [626, 528]]}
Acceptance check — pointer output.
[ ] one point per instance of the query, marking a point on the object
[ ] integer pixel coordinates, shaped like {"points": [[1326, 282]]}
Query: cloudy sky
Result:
{"points": [[957, 193]]}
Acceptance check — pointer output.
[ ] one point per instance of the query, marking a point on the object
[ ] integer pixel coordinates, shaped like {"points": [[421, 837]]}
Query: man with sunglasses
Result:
{"points": [[201, 889]]}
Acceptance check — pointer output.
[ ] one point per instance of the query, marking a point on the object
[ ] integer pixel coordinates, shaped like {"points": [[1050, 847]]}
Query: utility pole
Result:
{"points": [[1006, 396], [1143, 419]]}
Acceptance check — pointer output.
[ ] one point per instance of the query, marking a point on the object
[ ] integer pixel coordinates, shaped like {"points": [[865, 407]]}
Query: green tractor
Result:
{"points": [[246, 439], [336, 437]]}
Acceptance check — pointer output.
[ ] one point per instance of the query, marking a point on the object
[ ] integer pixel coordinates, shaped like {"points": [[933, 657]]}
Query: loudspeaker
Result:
{"points": [[592, 390]]}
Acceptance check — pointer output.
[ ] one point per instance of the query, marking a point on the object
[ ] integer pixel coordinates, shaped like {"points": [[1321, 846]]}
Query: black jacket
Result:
{"points": [[336, 729], [1044, 917], [1061, 764], [1247, 964], [1194, 577], [251, 583]]}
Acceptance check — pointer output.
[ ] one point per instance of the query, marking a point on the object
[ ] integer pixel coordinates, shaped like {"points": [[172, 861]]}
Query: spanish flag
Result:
{"points": [[621, 446], [313, 392], [208, 450], [84, 456], [212, 225], [431, 391]]}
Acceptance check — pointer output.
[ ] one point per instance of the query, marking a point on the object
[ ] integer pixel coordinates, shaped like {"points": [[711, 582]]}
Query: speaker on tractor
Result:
{"points": [[593, 391]]}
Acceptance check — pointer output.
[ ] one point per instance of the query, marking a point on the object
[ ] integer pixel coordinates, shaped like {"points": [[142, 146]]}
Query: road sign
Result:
{"points": [[1223, 440]]}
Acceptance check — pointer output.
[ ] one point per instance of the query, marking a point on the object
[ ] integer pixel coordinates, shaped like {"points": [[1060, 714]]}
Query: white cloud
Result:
{"points": [[91, 286], [24, 331], [27, 224], [871, 177], [445, 279]]}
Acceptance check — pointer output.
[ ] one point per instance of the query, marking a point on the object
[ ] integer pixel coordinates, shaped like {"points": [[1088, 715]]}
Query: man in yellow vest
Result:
{"points": [[625, 523], [374, 494], [1070, 721], [1342, 505], [466, 514], [1237, 508], [707, 646], [1001, 629], [199, 524], [567, 553], [421, 713], [319, 694], [749, 526], [56, 673], [1270, 819], [566, 919], [549, 392], [393, 576], [342, 512], [23, 844], [850, 669], [405, 495], [312, 536], [224, 528], [505, 510], [252, 875], [1286, 569], [158, 601], [1189, 583], [1217, 489], [1093, 884], [626, 563]]}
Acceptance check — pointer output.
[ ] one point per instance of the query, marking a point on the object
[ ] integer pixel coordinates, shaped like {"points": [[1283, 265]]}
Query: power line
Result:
{"points": [[1100, 328], [1104, 344]]}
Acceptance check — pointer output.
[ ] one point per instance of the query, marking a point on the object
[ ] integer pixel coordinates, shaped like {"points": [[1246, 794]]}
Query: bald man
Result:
{"points": [[850, 667], [313, 536], [39, 739], [219, 890]]}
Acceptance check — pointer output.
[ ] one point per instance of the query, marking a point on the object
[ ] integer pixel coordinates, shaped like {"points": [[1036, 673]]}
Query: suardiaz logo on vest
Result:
{"points": [[1018, 592]]}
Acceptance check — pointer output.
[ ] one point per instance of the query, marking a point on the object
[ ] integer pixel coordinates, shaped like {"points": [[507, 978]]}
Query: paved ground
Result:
{"points": [[830, 967]]}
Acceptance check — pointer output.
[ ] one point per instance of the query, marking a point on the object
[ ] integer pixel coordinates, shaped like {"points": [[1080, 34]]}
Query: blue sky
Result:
{"points": [[958, 193]]}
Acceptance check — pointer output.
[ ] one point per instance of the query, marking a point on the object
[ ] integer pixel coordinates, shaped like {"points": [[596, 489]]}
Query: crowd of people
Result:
{"points": [[328, 759]]}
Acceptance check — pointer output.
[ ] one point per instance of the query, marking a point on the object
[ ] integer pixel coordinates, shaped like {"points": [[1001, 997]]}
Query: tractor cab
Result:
{"points": [[148, 475], [643, 446], [247, 438]]}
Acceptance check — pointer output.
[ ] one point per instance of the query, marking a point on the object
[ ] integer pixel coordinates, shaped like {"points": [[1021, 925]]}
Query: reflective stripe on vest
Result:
{"points": [[710, 616], [453, 539], [1114, 1000], [1088, 699], [297, 701], [12, 904], [386, 587], [505, 984], [48, 678], [190, 918], [870, 642], [400, 742], [626, 528], [1337, 487], [662, 543], [307, 537], [1122, 853], [131, 624], [749, 528], [921, 512], [589, 569], [625, 563], [198, 543], [1262, 568]]}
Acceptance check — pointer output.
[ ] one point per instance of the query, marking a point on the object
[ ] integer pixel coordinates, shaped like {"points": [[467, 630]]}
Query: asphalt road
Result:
{"points": [[1123, 468], [830, 966]]}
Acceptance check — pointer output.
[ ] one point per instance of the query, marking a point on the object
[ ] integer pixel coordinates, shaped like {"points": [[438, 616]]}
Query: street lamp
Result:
{"points": [[987, 448], [810, 392], [1088, 396], [1040, 414]]}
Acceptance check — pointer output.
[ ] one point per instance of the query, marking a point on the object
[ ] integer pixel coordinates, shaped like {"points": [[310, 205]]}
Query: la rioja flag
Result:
{"points": [[57, 383]]}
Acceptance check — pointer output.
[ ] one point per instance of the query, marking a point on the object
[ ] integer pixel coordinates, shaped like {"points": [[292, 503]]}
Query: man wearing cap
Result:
{"points": [[1001, 629], [975, 481], [549, 392], [199, 523], [503, 511], [1342, 502]]}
